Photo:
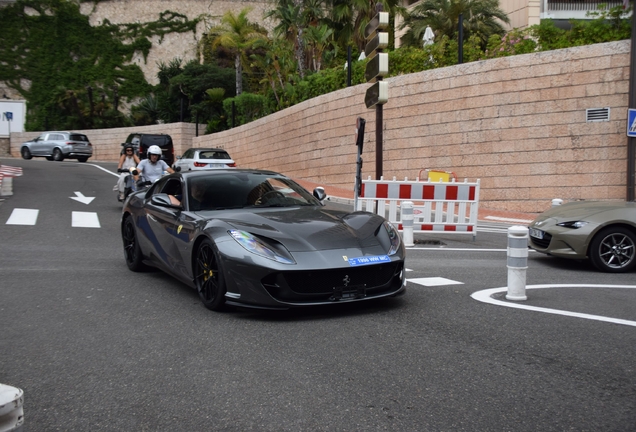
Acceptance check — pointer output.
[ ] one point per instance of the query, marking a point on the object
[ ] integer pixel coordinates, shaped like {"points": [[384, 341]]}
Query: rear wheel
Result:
{"points": [[26, 153], [208, 276], [57, 155], [132, 251], [82, 159], [613, 250]]}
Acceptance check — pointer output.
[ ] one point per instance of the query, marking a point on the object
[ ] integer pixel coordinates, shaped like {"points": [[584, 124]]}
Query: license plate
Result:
{"points": [[216, 165], [536, 233]]}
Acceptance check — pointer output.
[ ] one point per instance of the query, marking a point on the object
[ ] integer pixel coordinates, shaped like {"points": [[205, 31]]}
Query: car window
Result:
{"points": [[78, 137], [189, 154], [214, 155]]}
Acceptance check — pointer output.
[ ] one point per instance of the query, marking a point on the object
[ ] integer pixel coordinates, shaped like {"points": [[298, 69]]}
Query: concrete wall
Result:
{"points": [[517, 123]]}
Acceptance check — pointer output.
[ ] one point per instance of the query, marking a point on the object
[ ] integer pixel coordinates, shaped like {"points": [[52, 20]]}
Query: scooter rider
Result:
{"points": [[126, 161], [152, 169]]}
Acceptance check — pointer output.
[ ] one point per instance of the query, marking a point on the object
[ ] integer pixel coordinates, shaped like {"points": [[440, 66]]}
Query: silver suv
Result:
{"points": [[58, 146]]}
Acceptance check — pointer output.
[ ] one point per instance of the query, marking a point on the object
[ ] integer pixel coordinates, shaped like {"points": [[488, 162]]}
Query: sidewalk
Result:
{"points": [[345, 196]]}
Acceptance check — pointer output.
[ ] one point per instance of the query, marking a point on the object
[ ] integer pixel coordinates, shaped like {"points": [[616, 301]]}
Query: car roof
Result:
{"points": [[235, 171], [207, 149]]}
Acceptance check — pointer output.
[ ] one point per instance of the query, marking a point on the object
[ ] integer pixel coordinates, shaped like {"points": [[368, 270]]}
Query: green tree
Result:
{"points": [[237, 34], [481, 18]]}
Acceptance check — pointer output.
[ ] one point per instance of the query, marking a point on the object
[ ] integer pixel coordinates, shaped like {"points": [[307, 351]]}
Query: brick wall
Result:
{"points": [[517, 123]]}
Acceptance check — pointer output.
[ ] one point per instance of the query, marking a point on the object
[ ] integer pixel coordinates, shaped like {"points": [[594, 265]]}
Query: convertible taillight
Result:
{"points": [[200, 165]]}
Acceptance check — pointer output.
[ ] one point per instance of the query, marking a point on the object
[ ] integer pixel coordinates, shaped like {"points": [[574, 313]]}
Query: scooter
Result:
{"points": [[130, 185]]}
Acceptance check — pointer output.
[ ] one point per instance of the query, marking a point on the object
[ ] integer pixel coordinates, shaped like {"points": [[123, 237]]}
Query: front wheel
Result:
{"points": [[26, 153], [57, 155], [208, 276], [613, 250], [132, 251]]}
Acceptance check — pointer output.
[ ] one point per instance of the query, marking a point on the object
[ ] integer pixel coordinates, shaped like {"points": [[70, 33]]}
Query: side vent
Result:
{"points": [[597, 114]]}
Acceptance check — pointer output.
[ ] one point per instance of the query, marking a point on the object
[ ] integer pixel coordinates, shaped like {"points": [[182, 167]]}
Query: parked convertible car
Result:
{"points": [[257, 239], [604, 232]]}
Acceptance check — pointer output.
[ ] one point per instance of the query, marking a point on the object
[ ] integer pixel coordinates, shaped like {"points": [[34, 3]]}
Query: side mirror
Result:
{"points": [[163, 200], [179, 157], [319, 193]]}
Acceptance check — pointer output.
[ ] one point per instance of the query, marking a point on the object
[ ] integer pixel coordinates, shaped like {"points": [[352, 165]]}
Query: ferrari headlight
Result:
{"points": [[257, 246], [394, 238], [572, 224]]}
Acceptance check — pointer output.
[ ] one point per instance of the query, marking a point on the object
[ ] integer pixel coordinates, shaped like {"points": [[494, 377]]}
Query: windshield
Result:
{"points": [[245, 190]]}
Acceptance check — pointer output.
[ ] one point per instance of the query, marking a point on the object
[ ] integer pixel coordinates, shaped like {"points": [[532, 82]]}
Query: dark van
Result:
{"points": [[141, 142]]}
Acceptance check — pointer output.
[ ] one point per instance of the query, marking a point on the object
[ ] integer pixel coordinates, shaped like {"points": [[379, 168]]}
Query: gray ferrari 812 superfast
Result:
{"points": [[256, 238]]}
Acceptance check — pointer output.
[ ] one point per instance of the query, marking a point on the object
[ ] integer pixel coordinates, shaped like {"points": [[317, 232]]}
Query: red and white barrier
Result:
{"points": [[450, 207], [6, 179]]}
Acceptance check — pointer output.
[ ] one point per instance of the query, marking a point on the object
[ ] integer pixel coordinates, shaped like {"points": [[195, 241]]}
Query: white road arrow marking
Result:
{"points": [[81, 198]]}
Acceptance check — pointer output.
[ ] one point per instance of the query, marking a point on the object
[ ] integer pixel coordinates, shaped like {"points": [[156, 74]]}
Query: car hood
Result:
{"points": [[309, 228], [580, 210]]}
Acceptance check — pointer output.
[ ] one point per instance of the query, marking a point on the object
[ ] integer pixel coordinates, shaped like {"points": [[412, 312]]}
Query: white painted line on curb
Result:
{"points": [[502, 219], [20, 216], [85, 220], [486, 297]]}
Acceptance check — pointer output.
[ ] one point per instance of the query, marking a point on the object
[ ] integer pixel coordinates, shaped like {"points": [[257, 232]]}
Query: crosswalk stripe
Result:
{"points": [[85, 220], [20, 216]]}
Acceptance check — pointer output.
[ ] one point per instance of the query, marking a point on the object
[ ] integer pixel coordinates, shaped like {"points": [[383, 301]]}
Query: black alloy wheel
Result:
{"points": [[209, 277], [57, 155], [26, 153], [613, 250], [132, 251]]}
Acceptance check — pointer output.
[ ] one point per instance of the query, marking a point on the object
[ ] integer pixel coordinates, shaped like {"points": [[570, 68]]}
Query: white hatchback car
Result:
{"points": [[203, 159]]}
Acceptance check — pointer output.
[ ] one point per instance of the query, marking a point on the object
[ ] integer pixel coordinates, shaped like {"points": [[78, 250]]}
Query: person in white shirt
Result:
{"points": [[152, 169]]}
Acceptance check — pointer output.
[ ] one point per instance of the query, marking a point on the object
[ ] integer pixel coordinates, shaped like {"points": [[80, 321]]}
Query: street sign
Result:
{"points": [[379, 21], [631, 122], [377, 94], [378, 42], [8, 116], [378, 66]]}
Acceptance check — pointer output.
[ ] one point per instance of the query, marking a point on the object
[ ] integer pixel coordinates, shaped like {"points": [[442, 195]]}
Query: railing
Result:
{"points": [[580, 5]]}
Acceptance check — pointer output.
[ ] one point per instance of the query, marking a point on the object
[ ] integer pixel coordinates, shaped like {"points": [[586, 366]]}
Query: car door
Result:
{"points": [[186, 160], [163, 227], [39, 144]]}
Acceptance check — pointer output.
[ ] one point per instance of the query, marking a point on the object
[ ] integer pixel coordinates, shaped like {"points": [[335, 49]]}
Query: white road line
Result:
{"points": [[434, 281], [101, 168], [85, 220], [502, 219], [486, 297], [20, 216]]}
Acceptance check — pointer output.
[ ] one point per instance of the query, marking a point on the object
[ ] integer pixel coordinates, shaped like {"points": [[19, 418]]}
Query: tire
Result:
{"points": [[26, 153], [57, 155], [49, 158], [208, 276], [613, 250], [82, 159], [132, 251]]}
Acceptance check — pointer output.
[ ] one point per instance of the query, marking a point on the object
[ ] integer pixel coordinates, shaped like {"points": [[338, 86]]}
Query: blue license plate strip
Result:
{"points": [[368, 260]]}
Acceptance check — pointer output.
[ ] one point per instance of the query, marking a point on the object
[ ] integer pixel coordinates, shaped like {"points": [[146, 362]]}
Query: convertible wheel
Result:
{"points": [[613, 250], [26, 153], [132, 252], [57, 155], [209, 277]]}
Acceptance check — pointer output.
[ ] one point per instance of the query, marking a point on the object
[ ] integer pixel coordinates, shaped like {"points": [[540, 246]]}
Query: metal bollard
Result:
{"points": [[7, 186], [406, 214], [517, 262], [557, 202]]}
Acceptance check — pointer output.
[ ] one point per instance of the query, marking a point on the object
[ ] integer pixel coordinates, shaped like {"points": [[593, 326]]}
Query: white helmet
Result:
{"points": [[153, 149]]}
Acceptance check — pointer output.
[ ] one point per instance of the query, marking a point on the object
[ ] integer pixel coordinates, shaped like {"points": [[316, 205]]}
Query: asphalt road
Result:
{"points": [[96, 347]]}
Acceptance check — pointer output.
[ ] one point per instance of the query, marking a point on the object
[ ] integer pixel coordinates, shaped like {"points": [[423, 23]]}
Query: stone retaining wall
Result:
{"points": [[517, 123]]}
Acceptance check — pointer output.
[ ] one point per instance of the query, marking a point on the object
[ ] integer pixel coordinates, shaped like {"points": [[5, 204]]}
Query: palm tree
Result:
{"points": [[291, 24], [318, 39], [237, 34], [481, 18]]}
